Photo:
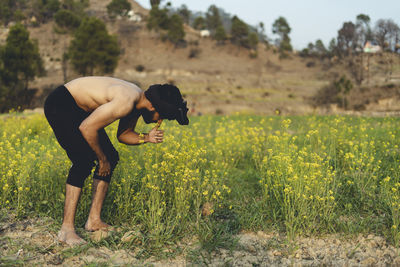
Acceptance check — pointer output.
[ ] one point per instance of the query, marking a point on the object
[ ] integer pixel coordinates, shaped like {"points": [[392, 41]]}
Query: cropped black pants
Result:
{"points": [[65, 117]]}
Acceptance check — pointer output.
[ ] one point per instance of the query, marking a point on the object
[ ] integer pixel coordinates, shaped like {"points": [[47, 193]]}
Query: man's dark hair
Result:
{"points": [[168, 102]]}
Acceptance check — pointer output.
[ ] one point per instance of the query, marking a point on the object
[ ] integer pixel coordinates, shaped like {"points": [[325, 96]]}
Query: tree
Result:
{"points": [[343, 86], [158, 18], [20, 63], [176, 32], [239, 32], [8, 8], [386, 32], [220, 34], [21, 58], [199, 23], [253, 40], [93, 48], [44, 10], [364, 31], [118, 7], [213, 19], [347, 38], [261, 32], [154, 3], [320, 48], [76, 6], [282, 29], [66, 19], [332, 48], [185, 13]]}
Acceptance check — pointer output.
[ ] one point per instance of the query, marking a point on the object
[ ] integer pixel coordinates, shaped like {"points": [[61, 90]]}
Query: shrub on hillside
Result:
{"points": [[66, 19], [334, 93], [118, 8], [176, 33]]}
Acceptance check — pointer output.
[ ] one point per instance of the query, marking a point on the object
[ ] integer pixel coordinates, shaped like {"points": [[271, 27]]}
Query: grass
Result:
{"points": [[303, 175]]}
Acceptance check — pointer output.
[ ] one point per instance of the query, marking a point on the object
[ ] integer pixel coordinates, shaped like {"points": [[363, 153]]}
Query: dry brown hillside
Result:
{"points": [[220, 79]]}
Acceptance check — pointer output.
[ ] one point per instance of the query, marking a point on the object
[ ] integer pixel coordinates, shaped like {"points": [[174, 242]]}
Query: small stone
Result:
{"points": [[99, 235], [251, 249], [368, 261], [277, 253], [261, 234], [370, 236]]}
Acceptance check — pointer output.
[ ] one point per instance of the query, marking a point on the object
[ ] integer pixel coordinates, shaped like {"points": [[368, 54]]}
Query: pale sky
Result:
{"points": [[309, 19]]}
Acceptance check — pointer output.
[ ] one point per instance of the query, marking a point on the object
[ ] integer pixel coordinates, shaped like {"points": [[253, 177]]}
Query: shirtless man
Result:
{"points": [[78, 112]]}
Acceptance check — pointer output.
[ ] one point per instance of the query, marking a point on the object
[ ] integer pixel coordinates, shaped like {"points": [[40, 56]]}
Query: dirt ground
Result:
{"points": [[33, 242]]}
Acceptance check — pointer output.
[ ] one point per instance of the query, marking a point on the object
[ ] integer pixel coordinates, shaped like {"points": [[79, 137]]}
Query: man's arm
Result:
{"points": [[126, 129], [126, 132], [100, 118]]}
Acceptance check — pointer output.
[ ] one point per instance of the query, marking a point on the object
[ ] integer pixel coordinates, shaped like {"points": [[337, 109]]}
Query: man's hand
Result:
{"points": [[104, 168], [155, 135]]}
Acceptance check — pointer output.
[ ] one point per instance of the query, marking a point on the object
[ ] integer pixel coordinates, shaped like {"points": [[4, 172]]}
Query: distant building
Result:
{"points": [[132, 16], [372, 47], [204, 33]]}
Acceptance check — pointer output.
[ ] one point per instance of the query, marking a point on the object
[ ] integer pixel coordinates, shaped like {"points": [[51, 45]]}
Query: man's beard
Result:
{"points": [[147, 116]]}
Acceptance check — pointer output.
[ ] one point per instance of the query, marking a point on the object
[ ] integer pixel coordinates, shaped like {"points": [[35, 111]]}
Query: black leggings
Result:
{"points": [[65, 117]]}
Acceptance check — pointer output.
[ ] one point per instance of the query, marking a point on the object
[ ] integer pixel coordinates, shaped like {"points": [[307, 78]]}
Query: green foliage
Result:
{"points": [[118, 7], [155, 3], [213, 18], [315, 50], [239, 32], [176, 32], [66, 19], [281, 27], [158, 18], [334, 93], [44, 10], [20, 63], [185, 13], [9, 10], [20, 57], [347, 38], [93, 48], [76, 6], [220, 34], [300, 175], [253, 40], [199, 23]]}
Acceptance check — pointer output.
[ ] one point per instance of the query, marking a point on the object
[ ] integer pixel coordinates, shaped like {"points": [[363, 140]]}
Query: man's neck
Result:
{"points": [[141, 103]]}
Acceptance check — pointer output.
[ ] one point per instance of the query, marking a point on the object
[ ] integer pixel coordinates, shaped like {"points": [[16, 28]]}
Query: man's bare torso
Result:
{"points": [[91, 92]]}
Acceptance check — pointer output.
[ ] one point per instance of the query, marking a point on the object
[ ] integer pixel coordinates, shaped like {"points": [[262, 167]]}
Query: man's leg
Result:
{"points": [[67, 232], [100, 184], [94, 221]]}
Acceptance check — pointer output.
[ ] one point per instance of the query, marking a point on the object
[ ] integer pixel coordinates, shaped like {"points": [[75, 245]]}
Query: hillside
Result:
{"points": [[220, 79]]}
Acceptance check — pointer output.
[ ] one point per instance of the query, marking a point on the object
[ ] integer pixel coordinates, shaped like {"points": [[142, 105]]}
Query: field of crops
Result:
{"points": [[305, 175]]}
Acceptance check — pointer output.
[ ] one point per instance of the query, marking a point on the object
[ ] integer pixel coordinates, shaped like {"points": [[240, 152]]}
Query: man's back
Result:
{"points": [[92, 92]]}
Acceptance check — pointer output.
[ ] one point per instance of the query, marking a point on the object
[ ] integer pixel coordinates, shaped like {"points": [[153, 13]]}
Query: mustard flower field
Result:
{"points": [[306, 175]]}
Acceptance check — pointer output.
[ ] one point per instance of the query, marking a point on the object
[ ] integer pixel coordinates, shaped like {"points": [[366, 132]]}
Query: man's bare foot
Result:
{"points": [[69, 237], [95, 225]]}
